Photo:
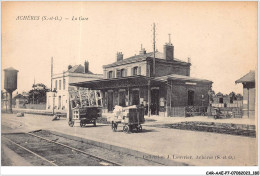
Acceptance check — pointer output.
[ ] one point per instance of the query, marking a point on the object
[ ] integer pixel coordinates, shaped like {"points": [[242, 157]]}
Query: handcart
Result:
{"points": [[130, 117], [85, 107]]}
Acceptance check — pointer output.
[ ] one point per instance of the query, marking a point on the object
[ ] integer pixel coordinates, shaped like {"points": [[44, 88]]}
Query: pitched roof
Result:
{"points": [[142, 57], [78, 69], [219, 94], [10, 68], [249, 77], [19, 96], [180, 78]]}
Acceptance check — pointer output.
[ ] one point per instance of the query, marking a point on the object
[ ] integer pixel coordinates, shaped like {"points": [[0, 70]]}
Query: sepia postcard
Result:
{"points": [[159, 83]]}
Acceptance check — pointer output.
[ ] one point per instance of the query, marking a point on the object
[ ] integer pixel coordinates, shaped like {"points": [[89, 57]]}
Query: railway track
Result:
{"points": [[102, 161], [46, 148], [44, 159]]}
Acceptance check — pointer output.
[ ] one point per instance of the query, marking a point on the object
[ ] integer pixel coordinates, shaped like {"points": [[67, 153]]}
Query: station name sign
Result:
{"points": [[190, 83]]}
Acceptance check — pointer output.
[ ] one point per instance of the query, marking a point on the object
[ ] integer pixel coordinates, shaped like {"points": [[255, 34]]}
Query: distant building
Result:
{"points": [[249, 96], [228, 100], [20, 100], [167, 90], [58, 97]]}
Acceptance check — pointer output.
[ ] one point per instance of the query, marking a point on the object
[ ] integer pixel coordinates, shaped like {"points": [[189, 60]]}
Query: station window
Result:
{"points": [[59, 84], [135, 71], [123, 72], [118, 74], [64, 84], [56, 84], [110, 74], [220, 100]]}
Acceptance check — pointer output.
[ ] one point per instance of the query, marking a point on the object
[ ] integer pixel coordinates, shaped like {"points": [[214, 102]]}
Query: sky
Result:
{"points": [[219, 37]]}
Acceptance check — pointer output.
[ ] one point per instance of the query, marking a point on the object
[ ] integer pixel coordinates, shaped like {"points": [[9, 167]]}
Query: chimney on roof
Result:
{"points": [[119, 56], [69, 67], [189, 60], [86, 64], [168, 49], [142, 51]]}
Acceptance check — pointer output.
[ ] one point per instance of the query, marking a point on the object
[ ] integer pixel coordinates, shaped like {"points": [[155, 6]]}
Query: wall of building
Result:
{"points": [[62, 92], [180, 94], [20, 103], [163, 69], [64, 80], [171, 102], [251, 99], [128, 67], [128, 96], [60, 100], [178, 97]]}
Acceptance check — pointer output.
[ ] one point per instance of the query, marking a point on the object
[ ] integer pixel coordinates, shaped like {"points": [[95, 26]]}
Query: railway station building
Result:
{"points": [[158, 81]]}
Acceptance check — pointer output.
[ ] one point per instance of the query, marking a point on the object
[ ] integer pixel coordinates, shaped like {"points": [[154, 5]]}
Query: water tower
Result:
{"points": [[10, 83]]}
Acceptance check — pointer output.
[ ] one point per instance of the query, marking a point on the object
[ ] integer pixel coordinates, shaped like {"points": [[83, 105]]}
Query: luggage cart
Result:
{"points": [[84, 116], [86, 107], [131, 118]]}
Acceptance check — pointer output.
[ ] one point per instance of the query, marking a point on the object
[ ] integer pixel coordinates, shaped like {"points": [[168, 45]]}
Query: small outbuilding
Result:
{"points": [[249, 96]]}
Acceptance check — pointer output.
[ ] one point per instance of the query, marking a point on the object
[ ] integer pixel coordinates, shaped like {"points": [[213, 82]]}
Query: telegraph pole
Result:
{"points": [[151, 75], [153, 49]]}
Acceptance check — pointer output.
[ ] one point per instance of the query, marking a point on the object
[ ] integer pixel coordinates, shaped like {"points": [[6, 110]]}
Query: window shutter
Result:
{"points": [[125, 72], [132, 71], [118, 73], [107, 75], [113, 74], [139, 70], [64, 84]]}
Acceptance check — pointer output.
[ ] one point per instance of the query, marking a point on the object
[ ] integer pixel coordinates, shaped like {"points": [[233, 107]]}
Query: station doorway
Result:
{"points": [[122, 98], [135, 97], [110, 105], [155, 102], [190, 98]]}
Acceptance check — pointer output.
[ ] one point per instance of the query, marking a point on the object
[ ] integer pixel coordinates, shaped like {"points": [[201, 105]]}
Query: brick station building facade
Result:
{"points": [[165, 90]]}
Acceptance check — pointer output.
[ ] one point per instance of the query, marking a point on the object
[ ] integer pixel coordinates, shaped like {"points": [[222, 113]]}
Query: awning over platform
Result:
{"points": [[180, 78], [132, 81], [138, 80]]}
